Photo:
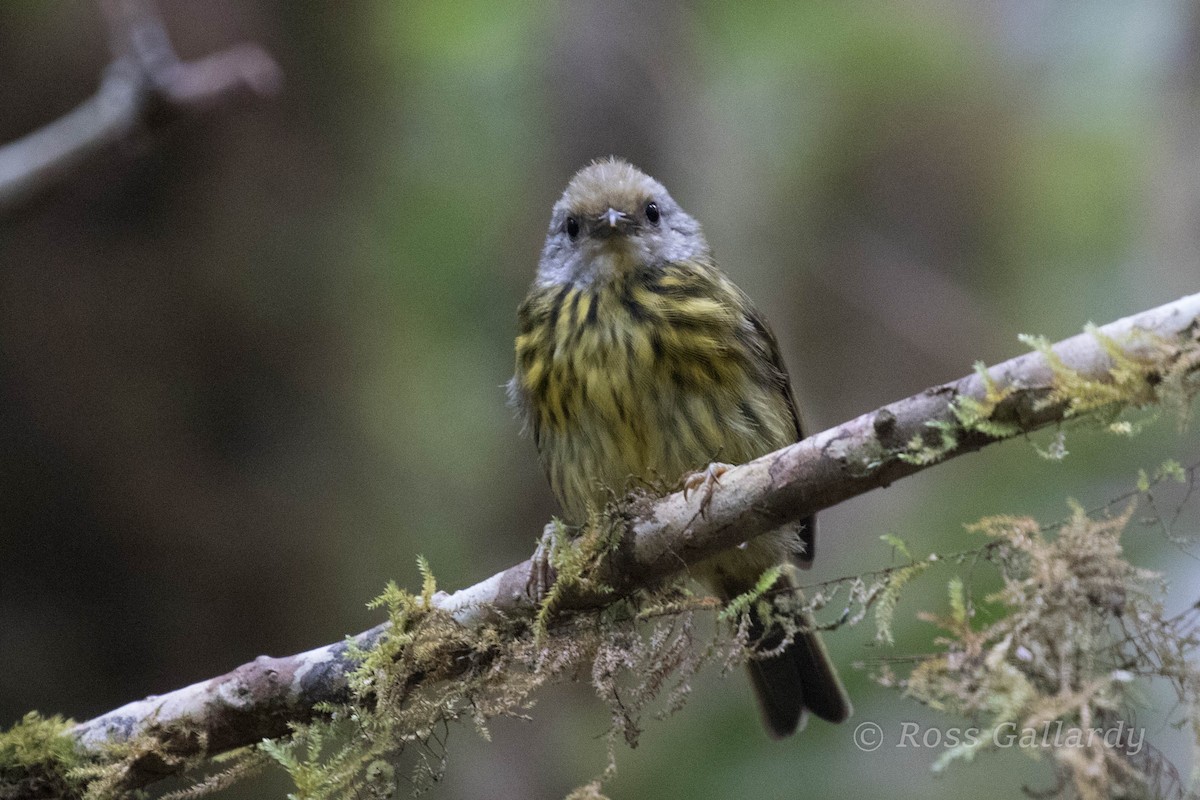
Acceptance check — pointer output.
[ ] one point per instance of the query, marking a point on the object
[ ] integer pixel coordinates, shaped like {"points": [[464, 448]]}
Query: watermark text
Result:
{"points": [[871, 736]]}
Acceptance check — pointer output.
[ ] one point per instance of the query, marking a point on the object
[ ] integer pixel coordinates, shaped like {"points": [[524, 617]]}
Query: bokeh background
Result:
{"points": [[251, 366]]}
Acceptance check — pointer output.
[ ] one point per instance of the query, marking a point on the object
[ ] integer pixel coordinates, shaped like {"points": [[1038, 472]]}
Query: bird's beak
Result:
{"points": [[614, 221]]}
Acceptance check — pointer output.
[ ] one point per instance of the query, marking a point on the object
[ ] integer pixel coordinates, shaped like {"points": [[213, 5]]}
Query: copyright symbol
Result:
{"points": [[868, 737]]}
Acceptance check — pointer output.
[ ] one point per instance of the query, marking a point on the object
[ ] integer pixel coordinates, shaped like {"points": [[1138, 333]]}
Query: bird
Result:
{"points": [[639, 361]]}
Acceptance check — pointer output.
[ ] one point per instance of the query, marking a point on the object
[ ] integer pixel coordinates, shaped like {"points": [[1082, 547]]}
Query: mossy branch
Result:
{"points": [[1149, 358]]}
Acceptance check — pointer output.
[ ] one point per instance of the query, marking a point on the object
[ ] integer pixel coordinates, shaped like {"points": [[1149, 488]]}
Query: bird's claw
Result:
{"points": [[541, 571], [705, 481]]}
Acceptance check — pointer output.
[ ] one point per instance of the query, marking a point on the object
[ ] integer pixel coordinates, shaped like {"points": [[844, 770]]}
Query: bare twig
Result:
{"points": [[664, 536], [145, 85]]}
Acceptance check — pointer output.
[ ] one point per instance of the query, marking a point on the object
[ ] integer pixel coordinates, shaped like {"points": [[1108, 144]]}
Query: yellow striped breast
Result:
{"points": [[644, 377]]}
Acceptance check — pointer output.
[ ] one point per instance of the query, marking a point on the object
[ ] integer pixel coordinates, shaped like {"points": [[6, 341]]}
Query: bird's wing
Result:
{"points": [[783, 384]]}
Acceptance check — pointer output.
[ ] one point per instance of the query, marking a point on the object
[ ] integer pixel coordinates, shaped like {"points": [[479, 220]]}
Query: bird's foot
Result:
{"points": [[705, 481], [541, 572]]}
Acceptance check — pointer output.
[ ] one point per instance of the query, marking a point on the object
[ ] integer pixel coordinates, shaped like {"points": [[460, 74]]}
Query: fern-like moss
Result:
{"points": [[39, 757], [1080, 621]]}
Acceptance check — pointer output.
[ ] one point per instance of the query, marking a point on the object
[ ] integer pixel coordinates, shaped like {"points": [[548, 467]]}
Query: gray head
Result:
{"points": [[613, 217]]}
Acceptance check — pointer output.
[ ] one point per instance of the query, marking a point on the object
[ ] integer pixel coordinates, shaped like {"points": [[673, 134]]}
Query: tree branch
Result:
{"points": [[145, 85], [663, 536]]}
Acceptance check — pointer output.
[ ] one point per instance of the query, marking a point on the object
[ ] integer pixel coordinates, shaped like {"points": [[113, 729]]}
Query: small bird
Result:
{"points": [[638, 360]]}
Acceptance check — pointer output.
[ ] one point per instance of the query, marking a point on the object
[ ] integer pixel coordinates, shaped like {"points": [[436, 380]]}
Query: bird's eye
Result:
{"points": [[572, 227], [652, 213]]}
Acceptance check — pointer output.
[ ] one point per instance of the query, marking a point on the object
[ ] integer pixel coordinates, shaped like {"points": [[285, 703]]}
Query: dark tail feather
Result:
{"points": [[800, 679], [779, 687]]}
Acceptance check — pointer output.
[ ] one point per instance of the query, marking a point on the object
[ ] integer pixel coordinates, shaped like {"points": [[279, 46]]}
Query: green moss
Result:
{"points": [[888, 595], [575, 555], [923, 450], [897, 544], [38, 740], [980, 415], [1166, 373], [747, 600], [39, 755]]}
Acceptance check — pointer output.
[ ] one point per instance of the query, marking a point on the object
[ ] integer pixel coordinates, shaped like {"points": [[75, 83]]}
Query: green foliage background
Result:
{"points": [[249, 369]]}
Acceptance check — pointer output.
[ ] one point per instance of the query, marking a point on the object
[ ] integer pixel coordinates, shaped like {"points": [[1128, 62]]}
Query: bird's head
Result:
{"points": [[611, 218]]}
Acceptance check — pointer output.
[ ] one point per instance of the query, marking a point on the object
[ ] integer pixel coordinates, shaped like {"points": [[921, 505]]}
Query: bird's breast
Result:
{"points": [[642, 378]]}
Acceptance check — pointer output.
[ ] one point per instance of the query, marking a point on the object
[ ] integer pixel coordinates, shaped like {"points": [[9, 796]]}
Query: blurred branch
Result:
{"points": [[145, 85], [661, 537]]}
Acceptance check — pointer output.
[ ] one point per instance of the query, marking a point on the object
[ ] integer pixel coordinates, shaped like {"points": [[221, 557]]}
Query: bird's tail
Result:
{"points": [[800, 679]]}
